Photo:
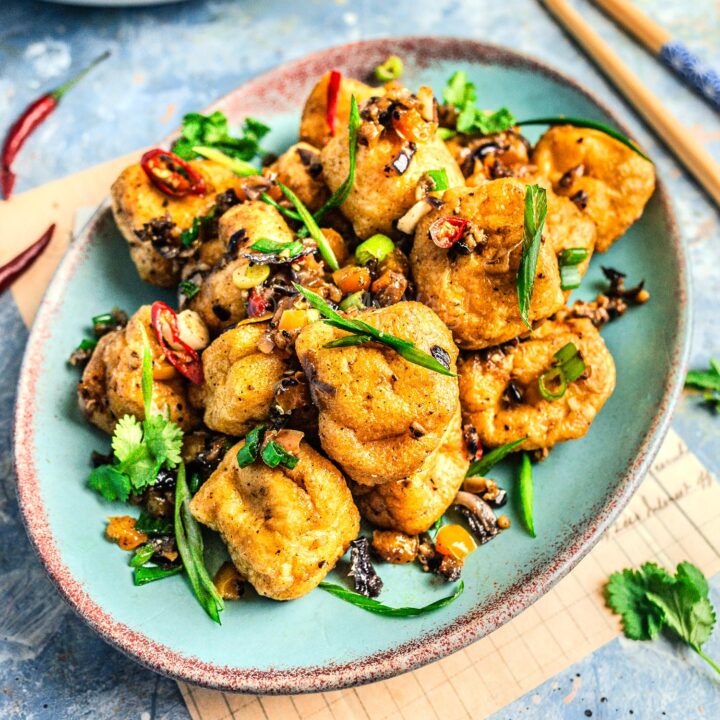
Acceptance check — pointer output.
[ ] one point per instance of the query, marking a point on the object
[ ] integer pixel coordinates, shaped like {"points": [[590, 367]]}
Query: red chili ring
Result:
{"points": [[333, 92], [186, 361], [171, 174], [446, 231]]}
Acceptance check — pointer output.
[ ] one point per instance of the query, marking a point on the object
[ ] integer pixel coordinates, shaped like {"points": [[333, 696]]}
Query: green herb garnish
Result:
{"points": [[141, 449], [391, 69], [353, 301], [584, 122], [569, 259], [212, 131], [377, 247], [323, 246], [534, 220], [483, 466], [274, 454], [87, 344], [239, 167], [275, 247], [460, 93], [189, 289], [366, 333], [651, 599], [188, 537], [375, 606], [708, 380], [189, 236], [439, 179], [142, 555], [144, 575], [287, 212], [568, 366], [525, 493], [248, 453]]}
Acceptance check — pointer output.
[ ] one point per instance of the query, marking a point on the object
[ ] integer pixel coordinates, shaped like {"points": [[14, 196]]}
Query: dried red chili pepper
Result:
{"points": [[171, 174], [333, 91], [185, 360], [257, 304], [30, 118], [12, 270], [446, 231]]}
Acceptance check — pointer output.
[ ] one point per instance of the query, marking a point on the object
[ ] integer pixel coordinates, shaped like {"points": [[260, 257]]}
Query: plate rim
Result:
{"points": [[432, 646]]}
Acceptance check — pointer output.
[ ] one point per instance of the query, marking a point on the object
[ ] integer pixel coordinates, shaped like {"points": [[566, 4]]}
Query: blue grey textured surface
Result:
{"points": [[175, 58]]}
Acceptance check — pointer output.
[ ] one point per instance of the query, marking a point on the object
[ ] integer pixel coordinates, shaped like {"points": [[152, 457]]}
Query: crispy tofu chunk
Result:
{"points": [[380, 416], [300, 168], [239, 380], [111, 384], [501, 413], [606, 179], [414, 504], [313, 125], [284, 529], [138, 205], [475, 294]]}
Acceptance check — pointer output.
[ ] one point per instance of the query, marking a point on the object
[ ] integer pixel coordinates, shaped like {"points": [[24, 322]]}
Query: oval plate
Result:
{"points": [[320, 642]]}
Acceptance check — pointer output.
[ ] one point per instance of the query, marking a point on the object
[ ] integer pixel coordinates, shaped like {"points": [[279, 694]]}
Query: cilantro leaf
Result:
{"points": [[626, 595], [127, 438], [213, 131], [164, 440], [110, 483], [708, 380], [459, 91]]}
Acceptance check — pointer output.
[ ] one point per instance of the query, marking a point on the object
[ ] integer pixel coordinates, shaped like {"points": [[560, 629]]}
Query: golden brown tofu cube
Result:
{"points": [[284, 529], [300, 168]]}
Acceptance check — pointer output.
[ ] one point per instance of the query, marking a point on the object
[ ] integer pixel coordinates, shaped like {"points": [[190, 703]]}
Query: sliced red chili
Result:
{"points": [[257, 304], [172, 174], [446, 231], [185, 360], [333, 92]]}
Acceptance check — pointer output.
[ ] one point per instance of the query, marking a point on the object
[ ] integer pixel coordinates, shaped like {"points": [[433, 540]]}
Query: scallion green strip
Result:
{"points": [[573, 256], [287, 212], [404, 348], [552, 384], [248, 453], [145, 575], [153, 526], [274, 454], [268, 246], [483, 466], [102, 319], [567, 367], [525, 489], [354, 300], [570, 277], [142, 554], [239, 167], [534, 221], [584, 122], [315, 233], [375, 606], [190, 546], [348, 341]]}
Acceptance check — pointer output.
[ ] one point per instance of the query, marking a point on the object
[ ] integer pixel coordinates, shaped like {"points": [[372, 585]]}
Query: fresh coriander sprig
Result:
{"points": [[188, 537], [460, 93], [534, 221], [361, 332], [375, 606], [650, 599], [708, 380], [141, 449], [483, 466]]}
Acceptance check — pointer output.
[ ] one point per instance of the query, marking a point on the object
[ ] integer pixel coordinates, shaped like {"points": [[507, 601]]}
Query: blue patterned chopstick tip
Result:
{"points": [[689, 67]]}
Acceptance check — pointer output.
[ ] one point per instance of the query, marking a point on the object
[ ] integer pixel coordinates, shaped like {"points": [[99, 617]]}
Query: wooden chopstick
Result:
{"points": [[676, 136], [673, 53]]}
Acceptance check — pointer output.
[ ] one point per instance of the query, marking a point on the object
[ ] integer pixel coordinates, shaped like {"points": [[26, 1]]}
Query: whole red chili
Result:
{"points": [[333, 91], [185, 360], [446, 231], [12, 270], [172, 174], [30, 118]]}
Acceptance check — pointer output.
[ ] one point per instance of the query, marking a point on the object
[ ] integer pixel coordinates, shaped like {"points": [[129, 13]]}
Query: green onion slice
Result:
{"points": [[440, 179], [483, 466], [525, 489], [353, 301], [567, 367], [145, 575], [282, 210], [377, 247], [189, 289], [87, 344], [573, 256], [375, 606], [552, 384], [584, 122], [248, 453], [391, 69], [534, 221], [570, 277], [268, 246], [323, 246], [142, 554], [239, 167], [274, 454]]}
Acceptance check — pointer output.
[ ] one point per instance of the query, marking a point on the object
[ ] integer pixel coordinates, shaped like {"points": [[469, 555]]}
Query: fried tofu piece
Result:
{"points": [[111, 384], [379, 195], [413, 505], [300, 168], [136, 201], [314, 128], [476, 294], [219, 302], [606, 179], [380, 416], [284, 529], [500, 395], [240, 380]]}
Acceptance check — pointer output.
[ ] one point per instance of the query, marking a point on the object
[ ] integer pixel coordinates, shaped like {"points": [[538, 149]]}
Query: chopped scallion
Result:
{"points": [[144, 575], [391, 69], [570, 277], [239, 167], [189, 289], [142, 555], [573, 256], [567, 367], [353, 301], [377, 247], [440, 179], [274, 454], [268, 246], [248, 453]]}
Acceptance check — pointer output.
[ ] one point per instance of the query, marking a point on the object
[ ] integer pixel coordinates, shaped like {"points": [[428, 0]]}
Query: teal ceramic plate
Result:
{"points": [[319, 642]]}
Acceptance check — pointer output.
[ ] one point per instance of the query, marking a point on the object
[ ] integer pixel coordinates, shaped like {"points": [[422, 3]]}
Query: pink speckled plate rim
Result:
{"points": [[262, 95]]}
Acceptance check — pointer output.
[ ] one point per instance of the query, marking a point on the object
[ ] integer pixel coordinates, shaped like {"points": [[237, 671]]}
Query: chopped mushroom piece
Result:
{"points": [[367, 581]]}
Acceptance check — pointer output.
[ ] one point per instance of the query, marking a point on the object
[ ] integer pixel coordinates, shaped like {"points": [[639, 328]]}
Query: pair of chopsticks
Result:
{"points": [[676, 136]]}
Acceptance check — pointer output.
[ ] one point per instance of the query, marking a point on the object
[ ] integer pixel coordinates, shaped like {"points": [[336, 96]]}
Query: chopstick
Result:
{"points": [[676, 136], [675, 54]]}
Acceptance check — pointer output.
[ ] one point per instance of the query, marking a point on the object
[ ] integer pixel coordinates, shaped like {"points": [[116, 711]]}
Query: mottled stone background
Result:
{"points": [[174, 58]]}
